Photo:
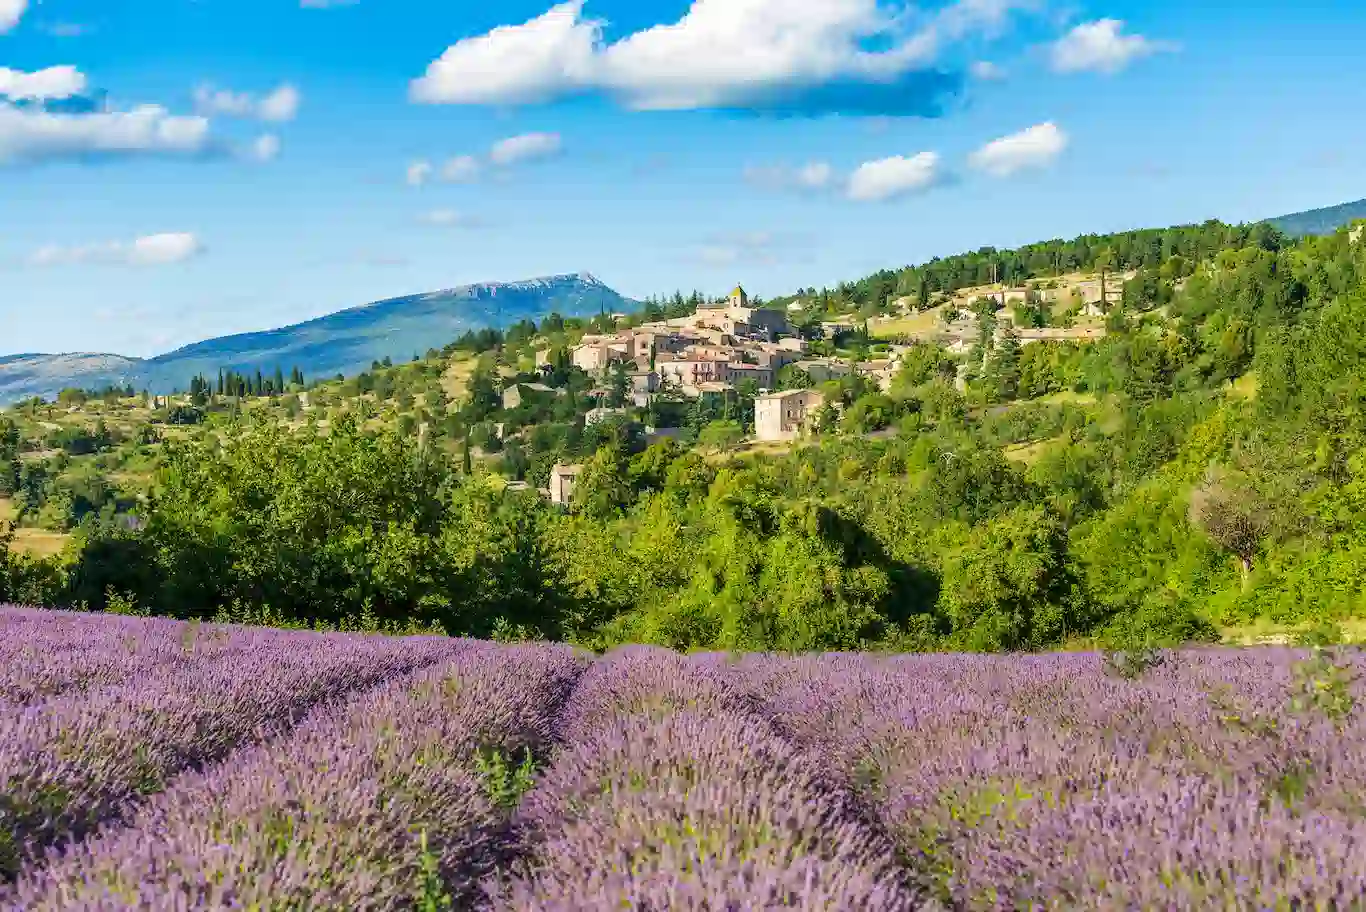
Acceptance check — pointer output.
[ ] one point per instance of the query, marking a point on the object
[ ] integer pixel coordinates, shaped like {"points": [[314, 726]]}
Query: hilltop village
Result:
{"points": [[735, 345]]}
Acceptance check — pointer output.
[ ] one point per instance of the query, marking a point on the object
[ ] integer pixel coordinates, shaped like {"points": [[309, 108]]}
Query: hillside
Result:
{"points": [[1320, 221], [341, 343], [1185, 472]]}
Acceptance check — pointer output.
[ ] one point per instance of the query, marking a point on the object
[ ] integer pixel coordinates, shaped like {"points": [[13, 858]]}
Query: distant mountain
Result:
{"points": [[31, 375], [1320, 221], [346, 342]]}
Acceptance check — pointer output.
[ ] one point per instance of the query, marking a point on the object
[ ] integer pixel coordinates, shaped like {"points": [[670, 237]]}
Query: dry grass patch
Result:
{"points": [[1067, 397], [40, 542], [920, 324], [456, 380], [1267, 633], [1030, 453]]}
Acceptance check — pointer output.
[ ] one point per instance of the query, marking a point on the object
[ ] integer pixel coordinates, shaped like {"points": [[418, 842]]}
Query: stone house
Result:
{"points": [[519, 393], [761, 375], [823, 370], [562, 479], [784, 416], [596, 353], [693, 370]]}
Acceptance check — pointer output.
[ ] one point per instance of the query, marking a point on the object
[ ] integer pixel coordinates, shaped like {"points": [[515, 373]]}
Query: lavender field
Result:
{"points": [[153, 764]]}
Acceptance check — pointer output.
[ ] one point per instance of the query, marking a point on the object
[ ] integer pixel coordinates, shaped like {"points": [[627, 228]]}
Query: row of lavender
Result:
{"points": [[672, 791], [1220, 780]]}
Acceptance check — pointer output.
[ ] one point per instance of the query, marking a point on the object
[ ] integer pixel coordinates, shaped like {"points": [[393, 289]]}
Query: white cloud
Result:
{"points": [[516, 64], [418, 172], [774, 55], [1037, 147], [279, 106], [1102, 47], [51, 84], [28, 134], [11, 11], [152, 250], [527, 147], [162, 249], [986, 71], [460, 169], [889, 178], [266, 148]]}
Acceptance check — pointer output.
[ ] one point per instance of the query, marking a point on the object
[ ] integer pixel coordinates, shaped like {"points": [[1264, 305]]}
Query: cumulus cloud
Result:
{"points": [[279, 106], [889, 178], [460, 169], [527, 147], [11, 11], [1102, 47], [265, 148], [151, 250], [28, 134], [52, 84], [1037, 147], [759, 56], [505, 153], [516, 64], [418, 173]]}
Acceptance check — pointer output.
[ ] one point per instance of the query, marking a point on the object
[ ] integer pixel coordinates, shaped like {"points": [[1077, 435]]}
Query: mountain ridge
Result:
{"points": [[345, 341]]}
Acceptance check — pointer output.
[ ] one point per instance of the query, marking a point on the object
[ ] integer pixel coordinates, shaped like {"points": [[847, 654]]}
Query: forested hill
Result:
{"points": [[1321, 221], [1177, 248]]}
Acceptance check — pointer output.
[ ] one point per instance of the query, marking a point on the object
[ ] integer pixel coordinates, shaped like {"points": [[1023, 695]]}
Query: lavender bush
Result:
{"points": [[383, 802], [71, 763]]}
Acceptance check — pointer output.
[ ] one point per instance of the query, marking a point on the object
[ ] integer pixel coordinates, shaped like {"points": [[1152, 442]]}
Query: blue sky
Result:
{"points": [[172, 170]]}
